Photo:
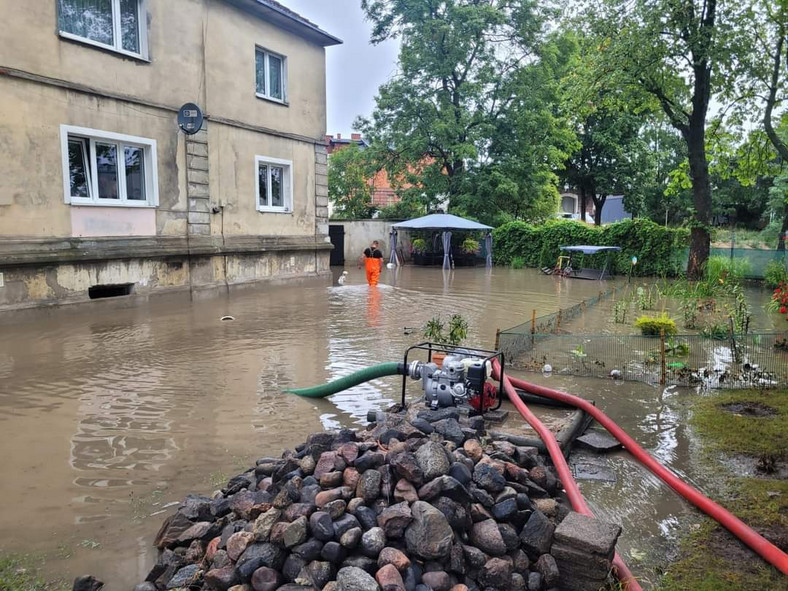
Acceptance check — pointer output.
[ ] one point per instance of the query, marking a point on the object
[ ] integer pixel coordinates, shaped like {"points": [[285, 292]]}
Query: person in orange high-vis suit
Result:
{"points": [[373, 263]]}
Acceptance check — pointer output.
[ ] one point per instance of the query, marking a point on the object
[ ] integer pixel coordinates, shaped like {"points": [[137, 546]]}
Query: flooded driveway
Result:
{"points": [[109, 414]]}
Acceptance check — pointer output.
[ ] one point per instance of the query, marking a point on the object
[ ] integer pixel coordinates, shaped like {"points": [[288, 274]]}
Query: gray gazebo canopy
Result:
{"points": [[444, 222]]}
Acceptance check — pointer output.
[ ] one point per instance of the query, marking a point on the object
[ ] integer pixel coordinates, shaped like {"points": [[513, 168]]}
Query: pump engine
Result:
{"points": [[461, 379]]}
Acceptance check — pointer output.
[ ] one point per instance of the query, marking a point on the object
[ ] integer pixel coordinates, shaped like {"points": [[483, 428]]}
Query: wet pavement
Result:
{"points": [[109, 414]]}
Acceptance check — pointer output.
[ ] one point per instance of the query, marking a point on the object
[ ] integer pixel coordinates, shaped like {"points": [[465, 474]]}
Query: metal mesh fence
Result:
{"points": [[518, 339], [757, 259], [752, 360]]}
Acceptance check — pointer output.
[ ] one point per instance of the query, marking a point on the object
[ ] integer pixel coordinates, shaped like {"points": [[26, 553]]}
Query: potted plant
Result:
{"points": [[419, 248], [469, 249], [470, 246], [436, 331]]}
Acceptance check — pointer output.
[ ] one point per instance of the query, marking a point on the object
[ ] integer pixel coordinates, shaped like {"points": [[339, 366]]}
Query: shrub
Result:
{"points": [[722, 270], [436, 331], [419, 245], [653, 325], [518, 263], [715, 330], [779, 301], [660, 250], [775, 273], [470, 246]]}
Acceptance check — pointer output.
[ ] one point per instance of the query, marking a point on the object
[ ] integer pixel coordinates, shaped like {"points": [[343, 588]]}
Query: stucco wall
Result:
{"points": [[28, 287], [232, 154], [230, 40], [31, 184], [175, 32], [201, 51], [359, 234]]}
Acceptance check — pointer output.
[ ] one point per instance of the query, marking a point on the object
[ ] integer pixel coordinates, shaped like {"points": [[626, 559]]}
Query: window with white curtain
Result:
{"points": [[103, 168], [274, 183], [271, 75], [112, 24]]}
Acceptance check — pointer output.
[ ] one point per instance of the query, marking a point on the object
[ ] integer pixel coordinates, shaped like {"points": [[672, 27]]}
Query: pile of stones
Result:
{"points": [[415, 502]]}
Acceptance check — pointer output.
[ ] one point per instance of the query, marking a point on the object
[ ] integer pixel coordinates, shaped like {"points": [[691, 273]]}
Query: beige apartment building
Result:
{"points": [[102, 194]]}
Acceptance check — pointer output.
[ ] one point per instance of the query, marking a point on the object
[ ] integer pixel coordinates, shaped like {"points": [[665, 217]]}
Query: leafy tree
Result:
{"points": [[517, 179], [458, 63], [679, 51], [741, 173], [765, 69], [349, 184], [668, 151], [612, 156], [404, 209]]}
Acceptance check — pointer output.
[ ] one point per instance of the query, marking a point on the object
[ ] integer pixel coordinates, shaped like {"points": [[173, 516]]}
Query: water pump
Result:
{"points": [[462, 379]]}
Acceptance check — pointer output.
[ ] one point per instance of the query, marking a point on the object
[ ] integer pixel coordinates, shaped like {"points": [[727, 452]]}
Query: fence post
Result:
{"points": [[558, 325], [497, 339], [663, 365], [533, 325]]}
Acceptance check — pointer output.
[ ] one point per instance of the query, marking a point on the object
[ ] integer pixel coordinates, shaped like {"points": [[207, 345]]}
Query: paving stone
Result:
{"points": [[599, 442], [588, 534]]}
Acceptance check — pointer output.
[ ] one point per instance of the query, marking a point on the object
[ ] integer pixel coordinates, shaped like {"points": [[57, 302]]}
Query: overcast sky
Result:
{"points": [[355, 69]]}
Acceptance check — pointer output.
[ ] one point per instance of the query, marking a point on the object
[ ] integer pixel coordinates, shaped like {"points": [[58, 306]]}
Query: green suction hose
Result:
{"points": [[363, 375]]}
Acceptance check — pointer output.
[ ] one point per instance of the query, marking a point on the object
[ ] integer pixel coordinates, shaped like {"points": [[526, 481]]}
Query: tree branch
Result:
{"points": [[779, 145]]}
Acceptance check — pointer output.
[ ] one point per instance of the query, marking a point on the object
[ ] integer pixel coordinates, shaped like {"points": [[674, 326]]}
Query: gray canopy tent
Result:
{"points": [[442, 222]]}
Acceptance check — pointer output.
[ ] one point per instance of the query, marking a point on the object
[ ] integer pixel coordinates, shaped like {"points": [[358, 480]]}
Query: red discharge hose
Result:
{"points": [[768, 551], [564, 474]]}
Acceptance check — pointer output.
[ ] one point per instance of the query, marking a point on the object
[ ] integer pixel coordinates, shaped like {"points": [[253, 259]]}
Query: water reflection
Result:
{"points": [[101, 406], [373, 306]]}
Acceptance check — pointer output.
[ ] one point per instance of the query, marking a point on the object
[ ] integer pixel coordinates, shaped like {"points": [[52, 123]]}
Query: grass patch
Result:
{"points": [[713, 560], [727, 432], [710, 558], [18, 574]]}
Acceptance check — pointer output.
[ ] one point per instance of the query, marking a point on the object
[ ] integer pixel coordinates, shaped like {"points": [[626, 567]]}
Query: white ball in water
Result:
{"points": [[390, 266], [547, 368], [616, 374]]}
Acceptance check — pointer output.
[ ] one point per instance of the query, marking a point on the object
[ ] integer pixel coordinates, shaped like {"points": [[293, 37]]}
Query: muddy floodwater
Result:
{"points": [[110, 414]]}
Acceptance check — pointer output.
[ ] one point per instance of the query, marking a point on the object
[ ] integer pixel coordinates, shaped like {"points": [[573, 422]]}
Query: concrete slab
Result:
{"points": [[599, 442]]}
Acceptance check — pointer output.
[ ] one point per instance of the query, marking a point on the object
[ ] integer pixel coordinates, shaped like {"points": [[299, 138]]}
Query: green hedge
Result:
{"points": [[659, 250]]}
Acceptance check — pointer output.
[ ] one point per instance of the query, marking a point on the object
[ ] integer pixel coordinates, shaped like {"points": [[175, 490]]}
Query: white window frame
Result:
{"points": [[142, 21], [266, 95], [148, 147], [287, 185]]}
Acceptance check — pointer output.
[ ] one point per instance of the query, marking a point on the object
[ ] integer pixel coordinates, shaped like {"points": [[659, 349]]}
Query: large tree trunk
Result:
{"points": [[599, 203], [777, 142], [700, 240]]}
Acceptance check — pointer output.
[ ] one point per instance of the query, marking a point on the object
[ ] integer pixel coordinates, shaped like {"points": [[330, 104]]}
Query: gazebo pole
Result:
{"points": [[446, 249], [393, 241]]}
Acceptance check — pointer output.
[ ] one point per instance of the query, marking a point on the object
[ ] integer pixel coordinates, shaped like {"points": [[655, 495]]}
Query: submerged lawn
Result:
{"points": [[734, 432], [752, 424], [19, 574]]}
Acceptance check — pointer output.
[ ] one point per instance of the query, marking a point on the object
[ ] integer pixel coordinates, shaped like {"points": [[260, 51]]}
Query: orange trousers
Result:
{"points": [[373, 267]]}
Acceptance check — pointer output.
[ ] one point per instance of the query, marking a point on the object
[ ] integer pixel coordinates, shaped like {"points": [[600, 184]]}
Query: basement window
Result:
{"points": [[98, 292], [111, 169]]}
